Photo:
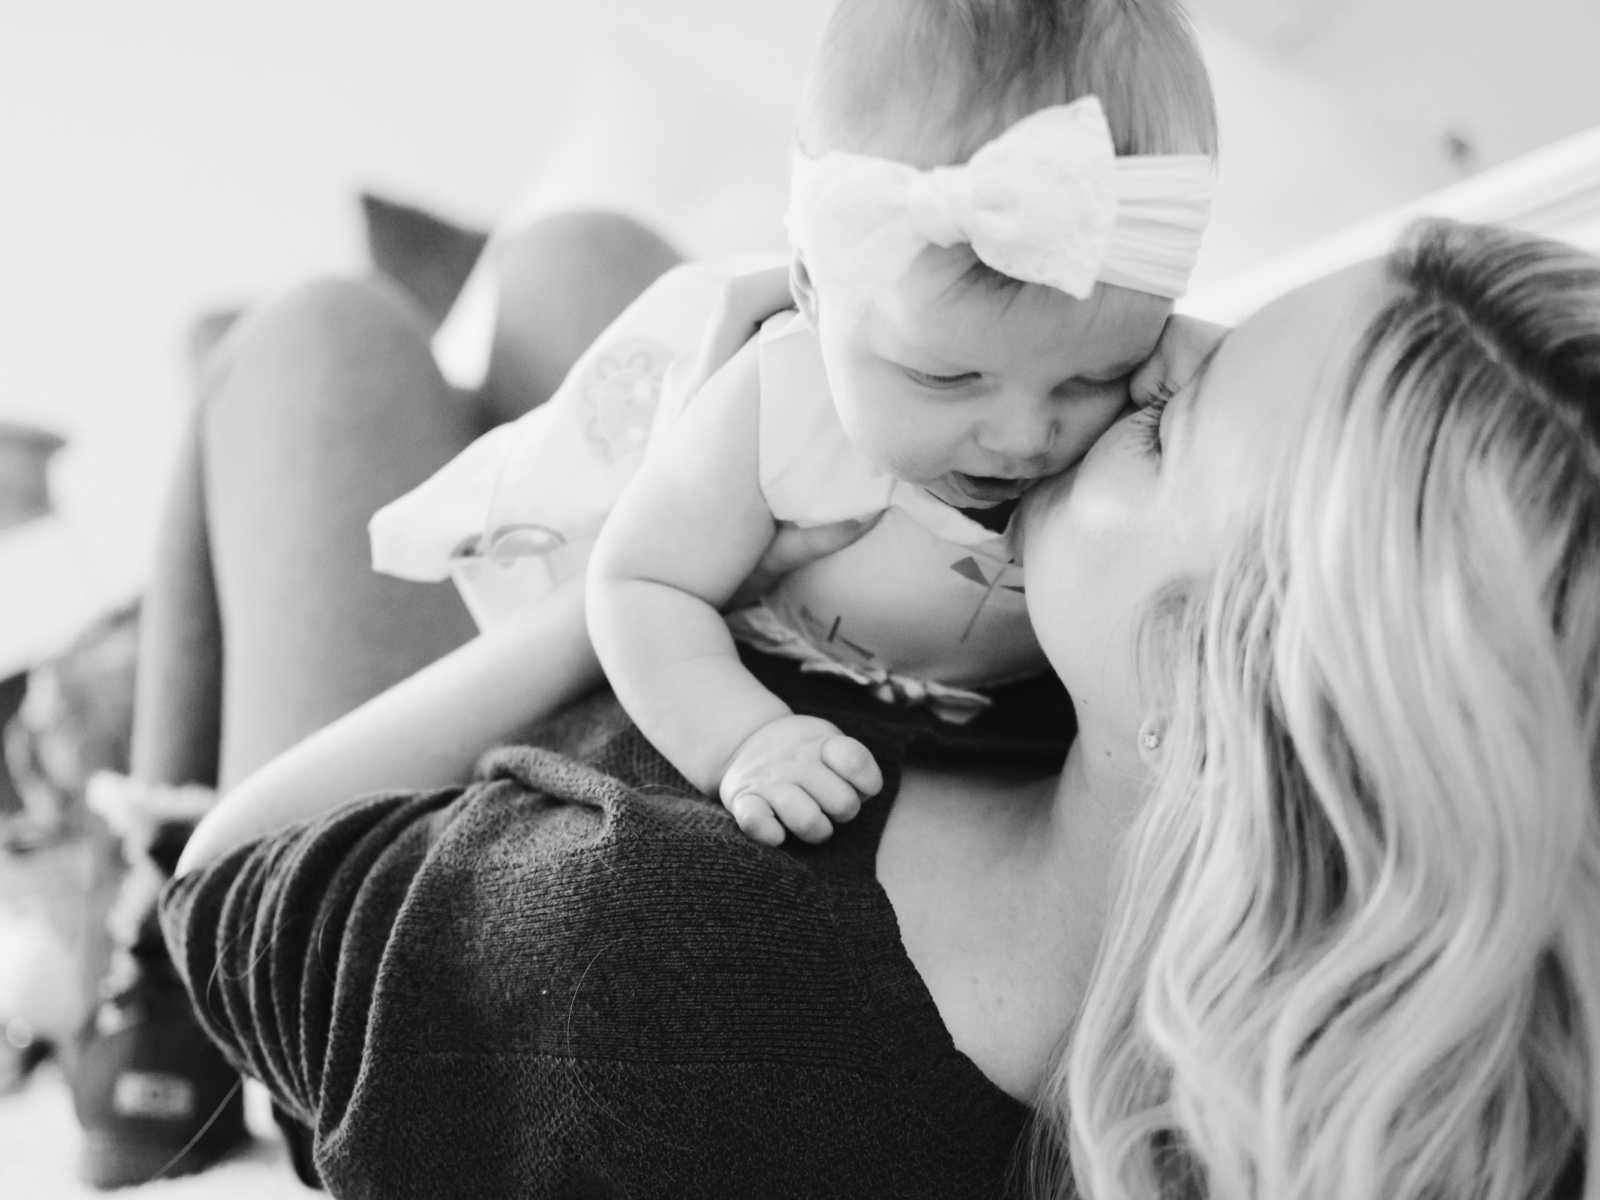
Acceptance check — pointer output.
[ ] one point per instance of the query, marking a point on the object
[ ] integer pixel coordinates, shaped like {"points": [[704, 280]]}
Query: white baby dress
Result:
{"points": [[925, 608]]}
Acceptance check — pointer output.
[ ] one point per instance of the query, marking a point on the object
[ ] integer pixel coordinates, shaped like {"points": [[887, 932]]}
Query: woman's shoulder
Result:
{"points": [[652, 940], [577, 934], [588, 847]]}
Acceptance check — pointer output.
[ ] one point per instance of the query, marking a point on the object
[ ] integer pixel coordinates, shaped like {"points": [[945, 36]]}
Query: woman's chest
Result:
{"points": [[1004, 942]]}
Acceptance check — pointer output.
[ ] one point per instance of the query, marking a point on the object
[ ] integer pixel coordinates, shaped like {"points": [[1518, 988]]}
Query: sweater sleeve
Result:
{"points": [[259, 936], [562, 981]]}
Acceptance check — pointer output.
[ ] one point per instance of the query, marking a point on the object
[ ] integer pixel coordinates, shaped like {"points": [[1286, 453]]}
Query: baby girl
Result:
{"points": [[994, 205]]}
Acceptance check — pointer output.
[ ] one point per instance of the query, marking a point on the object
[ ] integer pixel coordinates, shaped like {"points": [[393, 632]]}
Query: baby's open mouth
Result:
{"points": [[991, 489]]}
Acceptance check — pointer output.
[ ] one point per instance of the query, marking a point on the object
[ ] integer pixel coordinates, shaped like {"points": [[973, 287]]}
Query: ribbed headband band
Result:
{"points": [[1048, 201]]}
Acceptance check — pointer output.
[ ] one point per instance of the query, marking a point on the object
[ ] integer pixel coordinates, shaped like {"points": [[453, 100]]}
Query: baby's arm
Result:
{"points": [[686, 532]]}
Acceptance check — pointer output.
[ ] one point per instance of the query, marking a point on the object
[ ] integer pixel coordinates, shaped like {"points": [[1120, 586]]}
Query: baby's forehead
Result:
{"points": [[941, 314]]}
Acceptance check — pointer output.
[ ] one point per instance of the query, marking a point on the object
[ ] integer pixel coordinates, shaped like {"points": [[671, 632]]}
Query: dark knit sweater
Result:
{"points": [[575, 977]]}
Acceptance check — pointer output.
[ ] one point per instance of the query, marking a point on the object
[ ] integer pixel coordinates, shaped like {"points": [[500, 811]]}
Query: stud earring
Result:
{"points": [[1150, 739]]}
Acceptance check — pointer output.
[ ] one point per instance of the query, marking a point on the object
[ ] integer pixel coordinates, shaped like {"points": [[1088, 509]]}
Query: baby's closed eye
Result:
{"points": [[931, 379]]}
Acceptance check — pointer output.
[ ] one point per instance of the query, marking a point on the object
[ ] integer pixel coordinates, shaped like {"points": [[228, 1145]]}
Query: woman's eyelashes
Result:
{"points": [[1147, 422]]}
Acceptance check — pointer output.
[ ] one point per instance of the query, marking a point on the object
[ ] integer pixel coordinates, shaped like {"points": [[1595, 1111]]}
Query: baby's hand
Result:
{"points": [[798, 774], [1185, 344], [795, 546], [747, 300]]}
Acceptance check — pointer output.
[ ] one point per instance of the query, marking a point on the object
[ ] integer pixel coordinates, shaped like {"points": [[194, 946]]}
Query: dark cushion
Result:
{"points": [[424, 253]]}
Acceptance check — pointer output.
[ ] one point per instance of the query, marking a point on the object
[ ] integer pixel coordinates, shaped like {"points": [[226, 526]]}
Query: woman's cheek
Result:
{"points": [[1090, 510], [1085, 544]]}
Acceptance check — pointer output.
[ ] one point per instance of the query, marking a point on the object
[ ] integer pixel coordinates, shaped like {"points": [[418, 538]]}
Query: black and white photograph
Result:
{"points": [[928, 599]]}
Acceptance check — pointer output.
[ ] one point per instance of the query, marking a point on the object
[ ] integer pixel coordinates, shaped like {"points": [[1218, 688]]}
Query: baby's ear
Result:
{"points": [[805, 292]]}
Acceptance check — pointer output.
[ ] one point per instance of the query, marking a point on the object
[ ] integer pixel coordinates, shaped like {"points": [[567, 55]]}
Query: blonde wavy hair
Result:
{"points": [[1355, 951]]}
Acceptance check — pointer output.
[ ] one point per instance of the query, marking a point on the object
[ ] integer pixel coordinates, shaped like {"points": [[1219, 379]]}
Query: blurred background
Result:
{"points": [[174, 158]]}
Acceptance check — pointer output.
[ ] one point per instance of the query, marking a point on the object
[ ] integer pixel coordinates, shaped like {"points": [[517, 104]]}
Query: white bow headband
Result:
{"points": [[1048, 201]]}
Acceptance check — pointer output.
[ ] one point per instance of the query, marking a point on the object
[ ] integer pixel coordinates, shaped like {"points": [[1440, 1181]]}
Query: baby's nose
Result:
{"points": [[1021, 429]]}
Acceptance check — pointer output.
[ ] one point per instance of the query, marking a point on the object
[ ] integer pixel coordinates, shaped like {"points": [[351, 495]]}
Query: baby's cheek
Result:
{"points": [[1087, 421], [907, 463], [904, 440]]}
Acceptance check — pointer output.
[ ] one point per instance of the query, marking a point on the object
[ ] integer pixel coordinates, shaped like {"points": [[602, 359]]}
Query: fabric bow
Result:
{"points": [[1047, 201]]}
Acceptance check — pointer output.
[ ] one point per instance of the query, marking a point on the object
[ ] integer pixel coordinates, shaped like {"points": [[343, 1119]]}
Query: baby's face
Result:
{"points": [[975, 394]]}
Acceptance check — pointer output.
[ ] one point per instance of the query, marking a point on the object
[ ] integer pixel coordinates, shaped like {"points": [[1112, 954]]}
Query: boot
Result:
{"points": [[154, 1096]]}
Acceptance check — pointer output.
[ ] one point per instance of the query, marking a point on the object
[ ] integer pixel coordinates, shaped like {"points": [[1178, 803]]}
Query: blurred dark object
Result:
{"points": [[22, 1048], [427, 255], [12, 691], [74, 719], [59, 866], [153, 1095], [25, 455]]}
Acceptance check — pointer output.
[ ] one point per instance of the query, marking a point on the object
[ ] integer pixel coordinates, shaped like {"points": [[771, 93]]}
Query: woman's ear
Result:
{"points": [[805, 293], [1152, 733]]}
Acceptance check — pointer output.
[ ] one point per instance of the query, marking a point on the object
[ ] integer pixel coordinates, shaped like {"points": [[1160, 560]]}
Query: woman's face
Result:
{"points": [[1151, 503]]}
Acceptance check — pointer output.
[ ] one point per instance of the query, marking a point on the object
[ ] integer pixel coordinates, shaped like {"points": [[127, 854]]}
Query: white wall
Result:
{"points": [[164, 156]]}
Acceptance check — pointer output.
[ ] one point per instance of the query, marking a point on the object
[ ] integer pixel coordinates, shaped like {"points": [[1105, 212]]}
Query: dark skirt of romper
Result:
{"points": [[1029, 724]]}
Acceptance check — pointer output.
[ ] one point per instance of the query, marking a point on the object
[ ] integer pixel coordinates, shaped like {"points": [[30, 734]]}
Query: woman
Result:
{"points": [[1352, 950], [1307, 912]]}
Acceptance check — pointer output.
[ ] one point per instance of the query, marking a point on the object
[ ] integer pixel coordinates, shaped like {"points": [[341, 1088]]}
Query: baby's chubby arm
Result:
{"points": [[687, 531]]}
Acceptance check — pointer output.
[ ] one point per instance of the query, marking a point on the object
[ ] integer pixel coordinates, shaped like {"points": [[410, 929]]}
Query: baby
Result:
{"points": [[994, 204]]}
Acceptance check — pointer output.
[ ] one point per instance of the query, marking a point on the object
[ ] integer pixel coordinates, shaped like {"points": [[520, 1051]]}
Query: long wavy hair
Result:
{"points": [[1355, 950]]}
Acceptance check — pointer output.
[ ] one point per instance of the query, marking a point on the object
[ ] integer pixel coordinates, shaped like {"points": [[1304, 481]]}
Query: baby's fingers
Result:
{"points": [[747, 300], [800, 813], [1186, 342], [853, 763], [837, 797], [756, 818]]}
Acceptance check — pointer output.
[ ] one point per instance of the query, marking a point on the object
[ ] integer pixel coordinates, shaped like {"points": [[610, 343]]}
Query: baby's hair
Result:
{"points": [[928, 82]]}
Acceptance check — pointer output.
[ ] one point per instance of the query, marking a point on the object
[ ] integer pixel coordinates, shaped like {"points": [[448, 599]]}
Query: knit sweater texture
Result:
{"points": [[575, 977]]}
